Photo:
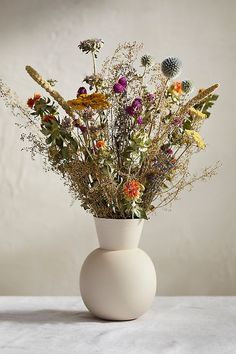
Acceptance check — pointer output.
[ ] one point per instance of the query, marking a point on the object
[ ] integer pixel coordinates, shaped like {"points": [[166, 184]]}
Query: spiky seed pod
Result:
{"points": [[146, 60], [171, 67], [187, 86]]}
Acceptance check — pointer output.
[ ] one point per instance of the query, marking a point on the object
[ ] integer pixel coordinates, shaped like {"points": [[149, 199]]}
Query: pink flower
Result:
{"points": [[177, 121], [151, 97]]}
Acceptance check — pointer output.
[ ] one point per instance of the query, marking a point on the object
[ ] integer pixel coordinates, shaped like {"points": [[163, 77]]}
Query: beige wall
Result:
{"points": [[43, 241]]}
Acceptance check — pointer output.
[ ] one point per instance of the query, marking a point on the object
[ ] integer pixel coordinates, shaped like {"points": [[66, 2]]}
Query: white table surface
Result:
{"points": [[51, 325]]}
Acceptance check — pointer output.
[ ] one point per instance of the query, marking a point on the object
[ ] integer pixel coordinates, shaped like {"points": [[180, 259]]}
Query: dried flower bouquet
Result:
{"points": [[123, 148]]}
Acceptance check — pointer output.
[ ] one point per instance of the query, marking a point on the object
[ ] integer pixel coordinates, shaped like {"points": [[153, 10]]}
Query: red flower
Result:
{"points": [[31, 101]]}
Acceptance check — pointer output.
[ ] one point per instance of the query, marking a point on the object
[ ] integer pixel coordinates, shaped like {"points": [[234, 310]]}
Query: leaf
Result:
{"points": [[65, 152], [45, 131], [206, 104], [140, 213], [49, 139], [59, 142], [187, 125], [74, 144]]}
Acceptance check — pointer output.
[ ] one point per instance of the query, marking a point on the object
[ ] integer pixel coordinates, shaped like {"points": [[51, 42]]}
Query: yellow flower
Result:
{"points": [[196, 137], [95, 101], [198, 113]]}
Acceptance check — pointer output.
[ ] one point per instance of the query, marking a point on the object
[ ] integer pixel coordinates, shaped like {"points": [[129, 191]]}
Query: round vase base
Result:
{"points": [[118, 285]]}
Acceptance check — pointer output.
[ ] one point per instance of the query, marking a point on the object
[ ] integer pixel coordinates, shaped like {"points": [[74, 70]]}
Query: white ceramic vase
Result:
{"points": [[118, 280]]}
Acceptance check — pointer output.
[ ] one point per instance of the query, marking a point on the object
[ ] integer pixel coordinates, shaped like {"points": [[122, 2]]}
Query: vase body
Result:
{"points": [[118, 280]]}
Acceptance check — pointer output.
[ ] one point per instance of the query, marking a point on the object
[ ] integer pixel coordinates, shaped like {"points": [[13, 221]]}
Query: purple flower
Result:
{"points": [[137, 104], [151, 97], [140, 120], [81, 91], [130, 110], [118, 88], [177, 121], [123, 81]]}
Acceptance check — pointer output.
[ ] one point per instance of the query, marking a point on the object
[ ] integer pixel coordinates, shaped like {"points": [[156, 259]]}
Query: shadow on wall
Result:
{"points": [[48, 268]]}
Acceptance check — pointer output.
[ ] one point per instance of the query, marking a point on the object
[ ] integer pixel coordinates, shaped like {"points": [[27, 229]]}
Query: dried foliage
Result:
{"points": [[124, 148]]}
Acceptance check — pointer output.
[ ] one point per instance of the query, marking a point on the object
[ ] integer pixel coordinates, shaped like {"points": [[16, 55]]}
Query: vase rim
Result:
{"points": [[118, 234], [125, 219]]}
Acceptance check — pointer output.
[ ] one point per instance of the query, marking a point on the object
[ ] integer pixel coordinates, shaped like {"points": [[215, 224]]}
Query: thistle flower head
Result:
{"points": [[171, 67], [146, 60], [187, 86], [91, 45]]}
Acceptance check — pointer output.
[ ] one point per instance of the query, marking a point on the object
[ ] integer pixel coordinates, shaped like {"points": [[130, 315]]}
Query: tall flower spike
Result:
{"points": [[45, 84], [198, 98], [171, 67], [187, 86]]}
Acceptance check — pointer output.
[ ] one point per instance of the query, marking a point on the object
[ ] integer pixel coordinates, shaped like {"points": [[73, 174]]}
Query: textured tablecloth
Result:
{"points": [[51, 325]]}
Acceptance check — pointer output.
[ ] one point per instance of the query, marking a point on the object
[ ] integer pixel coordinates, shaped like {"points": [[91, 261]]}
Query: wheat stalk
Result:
{"points": [[45, 84]]}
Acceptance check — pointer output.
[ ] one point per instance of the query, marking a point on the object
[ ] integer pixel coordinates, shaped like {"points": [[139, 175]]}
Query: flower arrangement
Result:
{"points": [[124, 143]]}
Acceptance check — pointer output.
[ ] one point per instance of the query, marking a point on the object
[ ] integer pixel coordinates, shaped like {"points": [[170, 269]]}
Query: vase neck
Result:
{"points": [[118, 234]]}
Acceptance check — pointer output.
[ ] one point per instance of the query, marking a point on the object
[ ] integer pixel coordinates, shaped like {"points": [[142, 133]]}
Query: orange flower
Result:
{"points": [[100, 144], [95, 100], [178, 87], [132, 189], [48, 118], [31, 101], [37, 96]]}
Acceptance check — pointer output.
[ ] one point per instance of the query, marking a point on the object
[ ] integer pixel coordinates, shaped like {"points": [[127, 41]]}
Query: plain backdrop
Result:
{"points": [[43, 238]]}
